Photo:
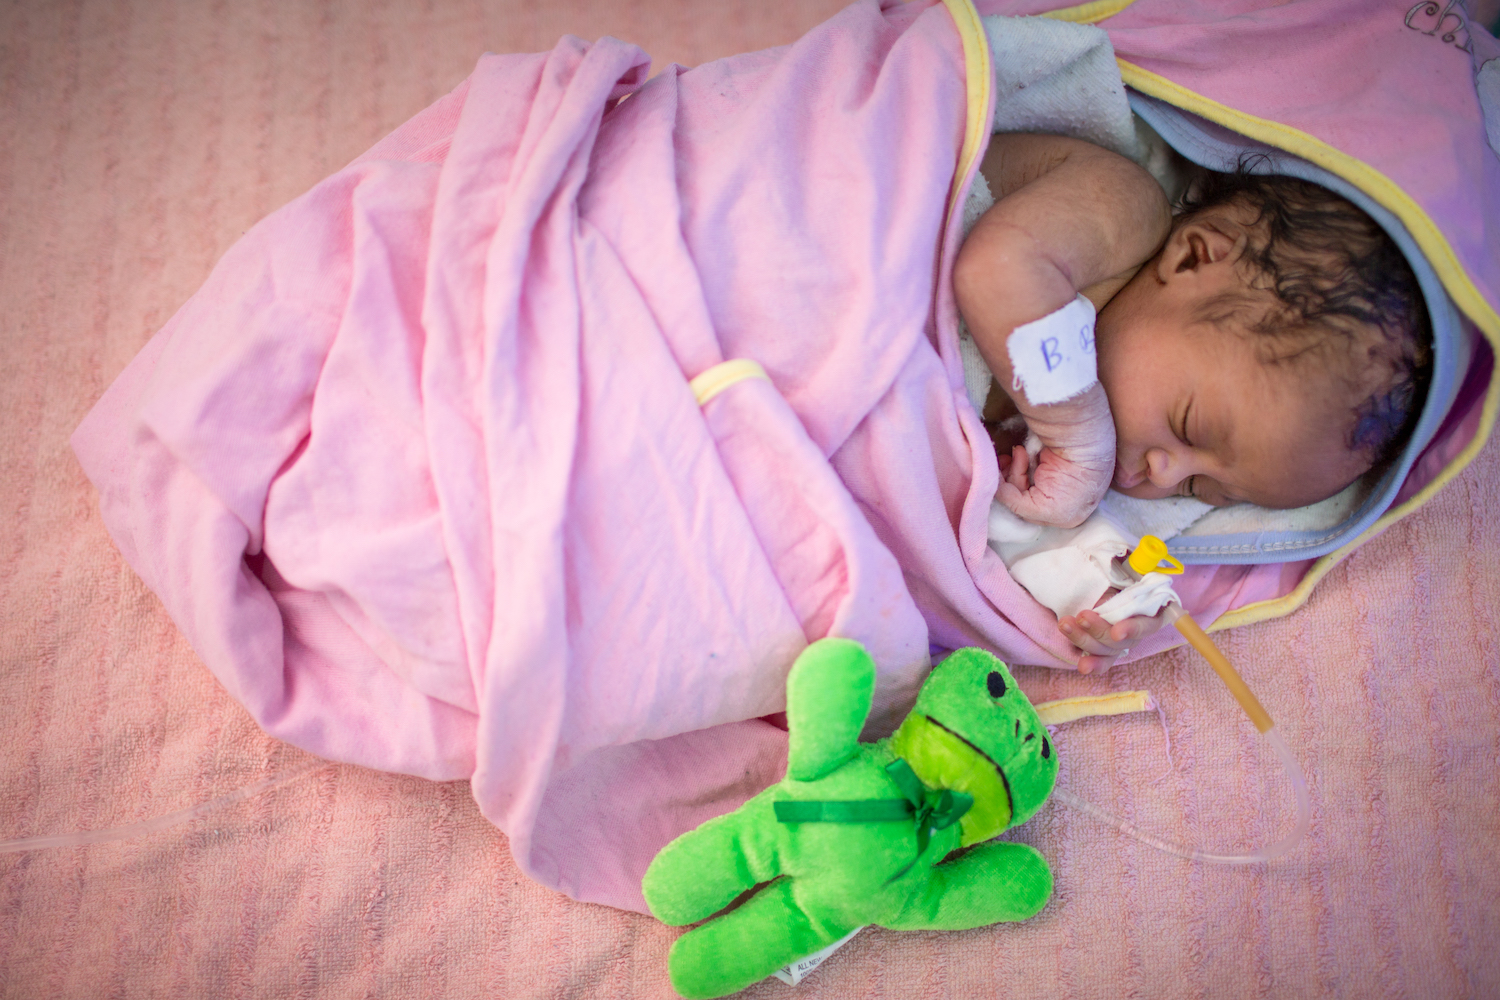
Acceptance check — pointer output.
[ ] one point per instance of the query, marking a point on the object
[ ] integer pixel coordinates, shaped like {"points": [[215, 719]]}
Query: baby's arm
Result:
{"points": [[1069, 218]]}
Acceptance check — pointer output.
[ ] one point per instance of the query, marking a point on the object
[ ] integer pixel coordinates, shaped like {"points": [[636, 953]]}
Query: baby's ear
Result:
{"points": [[1207, 238]]}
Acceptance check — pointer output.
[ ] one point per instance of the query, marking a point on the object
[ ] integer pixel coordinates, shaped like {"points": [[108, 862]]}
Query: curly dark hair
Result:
{"points": [[1344, 293]]}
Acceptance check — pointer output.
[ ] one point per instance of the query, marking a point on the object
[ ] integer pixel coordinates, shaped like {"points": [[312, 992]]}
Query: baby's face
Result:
{"points": [[1197, 413]]}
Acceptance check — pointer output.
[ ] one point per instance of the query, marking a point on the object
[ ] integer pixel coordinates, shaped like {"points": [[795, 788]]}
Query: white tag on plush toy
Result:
{"points": [[1053, 358], [800, 969]]}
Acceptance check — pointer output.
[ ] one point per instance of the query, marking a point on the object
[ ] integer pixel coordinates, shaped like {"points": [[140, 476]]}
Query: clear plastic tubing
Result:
{"points": [[1276, 850], [1200, 641], [85, 837]]}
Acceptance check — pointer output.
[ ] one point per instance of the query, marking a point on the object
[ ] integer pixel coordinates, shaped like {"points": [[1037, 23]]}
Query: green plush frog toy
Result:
{"points": [[862, 833]]}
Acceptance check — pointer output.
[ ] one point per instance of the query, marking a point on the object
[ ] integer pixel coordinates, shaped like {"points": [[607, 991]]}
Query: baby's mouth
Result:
{"points": [[1127, 480]]}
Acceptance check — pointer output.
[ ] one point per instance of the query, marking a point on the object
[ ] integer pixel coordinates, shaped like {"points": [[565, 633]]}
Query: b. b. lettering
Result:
{"points": [[1050, 354]]}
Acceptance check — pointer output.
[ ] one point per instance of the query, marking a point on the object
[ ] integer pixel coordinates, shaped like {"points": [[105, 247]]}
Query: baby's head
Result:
{"points": [[1274, 350]]}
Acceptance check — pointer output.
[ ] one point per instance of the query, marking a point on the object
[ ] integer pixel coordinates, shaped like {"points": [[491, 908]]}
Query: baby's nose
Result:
{"points": [[1163, 469]]}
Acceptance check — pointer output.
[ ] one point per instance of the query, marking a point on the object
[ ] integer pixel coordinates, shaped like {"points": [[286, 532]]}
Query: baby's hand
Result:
{"points": [[1101, 642], [1073, 469]]}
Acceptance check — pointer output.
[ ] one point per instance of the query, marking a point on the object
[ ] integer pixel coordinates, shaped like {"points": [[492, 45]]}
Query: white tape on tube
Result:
{"points": [[1053, 358]]}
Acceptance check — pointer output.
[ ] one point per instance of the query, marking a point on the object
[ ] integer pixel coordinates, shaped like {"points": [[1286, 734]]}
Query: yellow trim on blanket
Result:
{"points": [[1089, 13], [1427, 236], [979, 79], [721, 376], [1063, 710]]}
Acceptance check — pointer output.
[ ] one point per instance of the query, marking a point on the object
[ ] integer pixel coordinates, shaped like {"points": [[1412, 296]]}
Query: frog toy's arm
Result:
{"points": [[828, 696]]}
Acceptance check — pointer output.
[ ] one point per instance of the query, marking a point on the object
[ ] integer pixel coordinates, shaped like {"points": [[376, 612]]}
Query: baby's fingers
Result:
{"points": [[1101, 642], [1019, 474], [1091, 664], [1132, 630], [1122, 634], [1087, 636]]}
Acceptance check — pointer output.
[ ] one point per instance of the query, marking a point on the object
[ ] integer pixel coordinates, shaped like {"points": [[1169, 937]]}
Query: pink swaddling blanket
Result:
{"points": [[420, 475]]}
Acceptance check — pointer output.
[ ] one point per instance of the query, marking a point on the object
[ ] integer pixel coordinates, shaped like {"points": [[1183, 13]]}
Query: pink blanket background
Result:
{"points": [[141, 139]]}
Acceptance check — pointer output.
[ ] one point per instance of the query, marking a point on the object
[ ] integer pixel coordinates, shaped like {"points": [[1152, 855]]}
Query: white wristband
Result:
{"points": [[1053, 358]]}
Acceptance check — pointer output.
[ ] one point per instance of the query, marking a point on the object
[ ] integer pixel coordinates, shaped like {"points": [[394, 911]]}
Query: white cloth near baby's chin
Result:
{"points": [[1068, 570], [1065, 569]]}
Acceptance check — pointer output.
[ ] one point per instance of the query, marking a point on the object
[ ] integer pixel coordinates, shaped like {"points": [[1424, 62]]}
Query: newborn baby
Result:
{"points": [[1266, 345]]}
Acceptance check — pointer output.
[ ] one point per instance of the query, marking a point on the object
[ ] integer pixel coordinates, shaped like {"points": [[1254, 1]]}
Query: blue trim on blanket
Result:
{"points": [[1218, 148]]}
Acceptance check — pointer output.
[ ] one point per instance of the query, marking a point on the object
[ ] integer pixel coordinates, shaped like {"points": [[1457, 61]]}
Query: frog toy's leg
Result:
{"points": [[747, 944], [993, 882], [829, 690], [702, 871]]}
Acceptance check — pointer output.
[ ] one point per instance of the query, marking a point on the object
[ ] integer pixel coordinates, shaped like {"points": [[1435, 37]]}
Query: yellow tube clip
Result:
{"points": [[1150, 556]]}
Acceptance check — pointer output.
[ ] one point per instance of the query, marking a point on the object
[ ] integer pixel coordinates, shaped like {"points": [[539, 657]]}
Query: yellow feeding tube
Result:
{"points": [[1199, 640], [1150, 556]]}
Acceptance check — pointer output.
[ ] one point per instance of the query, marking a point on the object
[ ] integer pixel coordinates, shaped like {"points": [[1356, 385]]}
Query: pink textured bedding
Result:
{"points": [[147, 138]]}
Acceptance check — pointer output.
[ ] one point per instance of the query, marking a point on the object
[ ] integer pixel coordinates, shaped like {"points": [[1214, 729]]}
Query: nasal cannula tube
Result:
{"points": [[1200, 641]]}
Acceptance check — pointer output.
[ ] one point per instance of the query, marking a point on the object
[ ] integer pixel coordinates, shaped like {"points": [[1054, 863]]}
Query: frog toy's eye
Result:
{"points": [[996, 684], [1046, 748]]}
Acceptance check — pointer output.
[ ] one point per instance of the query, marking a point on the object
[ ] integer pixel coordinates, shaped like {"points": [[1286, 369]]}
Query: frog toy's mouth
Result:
{"points": [[944, 759]]}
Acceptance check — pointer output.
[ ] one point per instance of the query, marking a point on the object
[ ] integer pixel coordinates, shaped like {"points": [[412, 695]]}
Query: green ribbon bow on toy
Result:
{"points": [[830, 845], [934, 808]]}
